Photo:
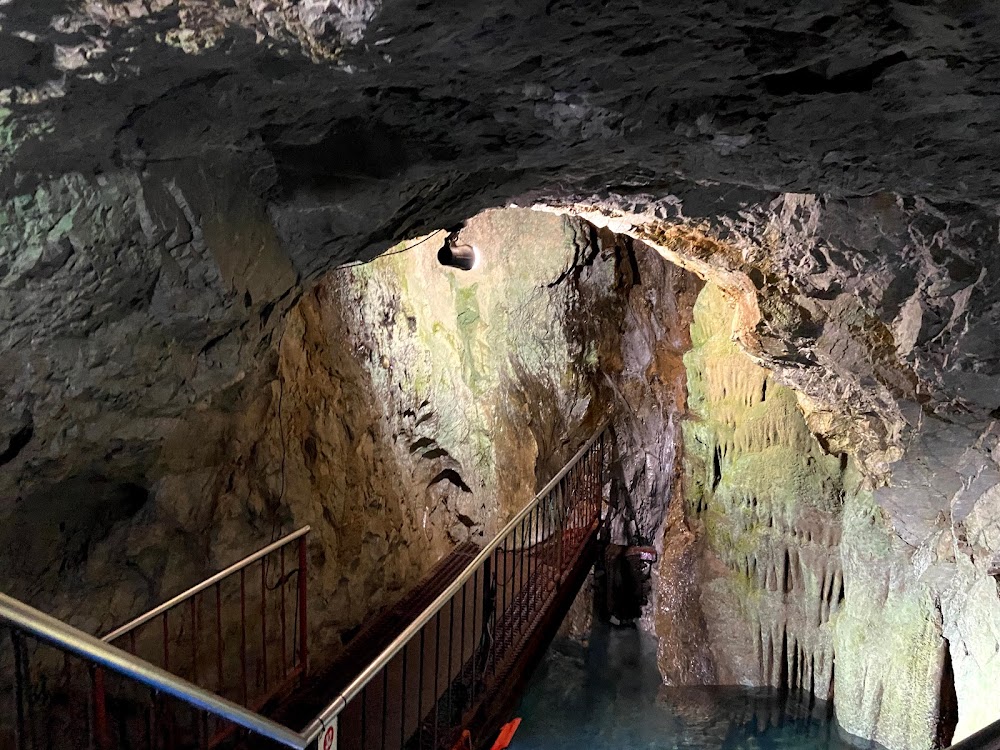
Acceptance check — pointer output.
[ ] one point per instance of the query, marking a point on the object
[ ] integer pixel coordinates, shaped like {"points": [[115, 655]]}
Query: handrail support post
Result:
{"points": [[303, 607], [101, 735]]}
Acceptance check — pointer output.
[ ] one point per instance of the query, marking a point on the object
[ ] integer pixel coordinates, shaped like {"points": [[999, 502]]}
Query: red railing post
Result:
{"points": [[22, 691], [194, 639], [166, 639], [284, 611], [220, 679], [303, 607], [592, 481], [101, 736], [243, 636], [263, 619], [563, 523], [601, 458]]}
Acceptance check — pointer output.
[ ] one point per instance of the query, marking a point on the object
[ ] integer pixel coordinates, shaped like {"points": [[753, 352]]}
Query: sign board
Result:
{"points": [[328, 737]]}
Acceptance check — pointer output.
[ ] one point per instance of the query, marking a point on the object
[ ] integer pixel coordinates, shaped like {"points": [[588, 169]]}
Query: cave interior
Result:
{"points": [[382, 267]]}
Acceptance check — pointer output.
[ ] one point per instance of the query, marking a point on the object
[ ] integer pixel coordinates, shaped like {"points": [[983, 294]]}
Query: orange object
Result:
{"points": [[464, 742], [506, 735]]}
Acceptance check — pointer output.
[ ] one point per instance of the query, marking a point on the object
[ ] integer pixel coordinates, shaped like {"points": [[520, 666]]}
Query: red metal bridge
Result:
{"points": [[226, 663]]}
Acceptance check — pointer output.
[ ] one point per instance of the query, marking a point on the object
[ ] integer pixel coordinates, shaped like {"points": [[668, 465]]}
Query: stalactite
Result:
{"points": [[786, 582], [774, 521]]}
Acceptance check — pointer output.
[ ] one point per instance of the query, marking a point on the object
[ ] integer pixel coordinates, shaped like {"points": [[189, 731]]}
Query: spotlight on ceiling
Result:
{"points": [[458, 254]]}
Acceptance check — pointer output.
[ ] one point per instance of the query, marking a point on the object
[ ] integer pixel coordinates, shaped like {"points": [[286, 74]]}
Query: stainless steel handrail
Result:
{"points": [[207, 583], [313, 729], [98, 651], [63, 636], [987, 738]]}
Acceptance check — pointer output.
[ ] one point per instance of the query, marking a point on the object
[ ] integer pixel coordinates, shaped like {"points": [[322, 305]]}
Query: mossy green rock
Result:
{"points": [[803, 586]]}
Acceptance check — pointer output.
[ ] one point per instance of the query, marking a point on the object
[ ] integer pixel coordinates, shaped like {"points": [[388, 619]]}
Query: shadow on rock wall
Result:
{"points": [[406, 407]]}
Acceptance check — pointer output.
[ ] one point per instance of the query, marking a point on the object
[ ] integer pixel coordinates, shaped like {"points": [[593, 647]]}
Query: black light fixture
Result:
{"points": [[457, 254]]}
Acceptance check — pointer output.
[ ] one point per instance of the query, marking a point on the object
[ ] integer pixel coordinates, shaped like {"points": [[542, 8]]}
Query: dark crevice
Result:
{"points": [[948, 709], [783, 679], [17, 443], [644, 49], [716, 468], [213, 342], [428, 449], [584, 256], [436, 453], [810, 82], [823, 23], [452, 476], [421, 444]]}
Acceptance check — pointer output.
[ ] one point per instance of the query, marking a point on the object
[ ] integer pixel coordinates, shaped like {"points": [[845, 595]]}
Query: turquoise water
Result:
{"points": [[608, 696]]}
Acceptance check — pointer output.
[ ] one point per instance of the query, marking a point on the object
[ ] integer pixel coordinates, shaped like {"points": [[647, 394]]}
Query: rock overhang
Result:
{"points": [[840, 166]]}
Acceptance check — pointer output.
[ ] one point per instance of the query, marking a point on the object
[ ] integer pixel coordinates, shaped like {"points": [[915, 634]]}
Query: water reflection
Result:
{"points": [[608, 696]]}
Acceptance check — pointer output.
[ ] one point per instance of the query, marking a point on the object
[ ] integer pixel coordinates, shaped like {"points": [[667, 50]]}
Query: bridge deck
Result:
{"points": [[432, 691], [325, 684]]}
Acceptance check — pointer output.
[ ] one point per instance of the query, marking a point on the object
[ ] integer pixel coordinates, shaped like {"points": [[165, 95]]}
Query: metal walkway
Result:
{"points": [[226, 663]]}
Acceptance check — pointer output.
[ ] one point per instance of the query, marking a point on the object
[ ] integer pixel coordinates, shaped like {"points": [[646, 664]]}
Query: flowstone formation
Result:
{"points": [[893, 366], [780, 570], [766, 501]]}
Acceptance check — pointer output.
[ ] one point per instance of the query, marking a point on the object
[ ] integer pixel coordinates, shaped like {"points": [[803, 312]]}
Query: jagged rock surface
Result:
{"points": [[394, 422], [877, 313]]}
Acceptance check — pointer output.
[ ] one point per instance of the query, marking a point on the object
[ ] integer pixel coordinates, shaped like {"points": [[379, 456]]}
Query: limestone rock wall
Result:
{"points": [[135, 309], [894, 684], [488, 375], [175, 173], [640, 346], [647, 386], [948, 485], [877, 311], [403, 408]]}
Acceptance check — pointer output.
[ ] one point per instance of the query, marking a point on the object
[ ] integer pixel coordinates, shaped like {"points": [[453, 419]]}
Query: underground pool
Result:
{"points": [[607, 695]]}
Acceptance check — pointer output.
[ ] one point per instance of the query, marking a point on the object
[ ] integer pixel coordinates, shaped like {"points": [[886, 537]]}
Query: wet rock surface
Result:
{"points": [[786, 571], [890, 384]]}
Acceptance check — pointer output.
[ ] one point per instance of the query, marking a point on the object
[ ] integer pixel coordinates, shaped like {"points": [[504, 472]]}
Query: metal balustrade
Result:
{"points": [[173, 679], [239, 636], [251, 653], [432, 679]]}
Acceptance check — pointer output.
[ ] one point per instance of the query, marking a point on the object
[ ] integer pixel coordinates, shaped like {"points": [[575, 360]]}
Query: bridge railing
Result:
{"points": [[60, 686], [242, 633], [50, 703], [987, 738], [239, 637], [418, 692]]}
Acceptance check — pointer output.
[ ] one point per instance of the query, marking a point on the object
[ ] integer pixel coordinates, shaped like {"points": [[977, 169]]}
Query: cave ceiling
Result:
{"points": [[490, 99], [845, 154]]}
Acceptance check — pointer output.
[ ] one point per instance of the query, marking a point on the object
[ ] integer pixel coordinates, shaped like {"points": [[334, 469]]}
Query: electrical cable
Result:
{"points": [[397, 252]]}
